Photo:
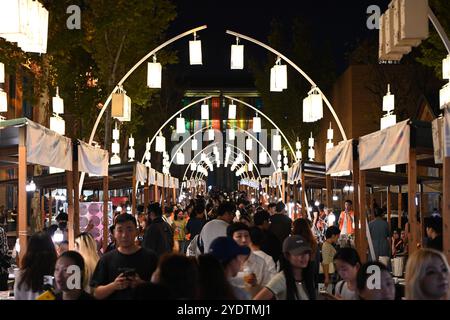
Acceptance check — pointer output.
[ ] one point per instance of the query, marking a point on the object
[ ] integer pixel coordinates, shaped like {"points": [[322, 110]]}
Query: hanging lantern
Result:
{"points": [[37, 29], [329, 145], [231, 134], [311, 154], [285, 160], [388, 100], [284, 153], [58, 103], [211, 134], [298, 155], [147, 146], [215, 150], [160, 143], [278, 77], [181, 127], [250, 166], [248, 144], [231, 111], [180, 157], [298, 144], [276, 142], [286, 168], [115, 159], [307, 110], [256, 124], [131, 154], [2, 73], [311, 141], [121, 106], [313, 106], [330, 133], [194, 145], [154, 74], [58, 124], [131, 141], [116, 133], [205, 111], [446, 68], [388, 121], [237, 56], [195, 51], [14, 20], [444, 96], [3, 101], [193, 166], [115, 148], [279, 164], [262, 157]]}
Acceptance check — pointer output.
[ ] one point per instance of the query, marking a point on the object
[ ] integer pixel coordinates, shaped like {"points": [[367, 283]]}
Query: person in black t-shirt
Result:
{"points": [[433, 227], [280, 223], [121, 270], [270, 243]]}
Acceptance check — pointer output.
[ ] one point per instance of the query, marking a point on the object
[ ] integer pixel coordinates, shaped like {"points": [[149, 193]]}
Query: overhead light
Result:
{"points": [[317, 203], [248, 144], [181, 127], [58, 124], [194, 144], [313, 106], [154, 74], [388, 100], [58, 236], [2, 73], [121, 106], [278, 76], [195, 51], [3, 101], [57, 103], [231, 134], [237, 56], [444, 96], [276, 141], [231, 111], [30, 187], [262, 157], [256, 124], [180, 158], [445, 68], [160, 143], [335, 198], [205, 111]]}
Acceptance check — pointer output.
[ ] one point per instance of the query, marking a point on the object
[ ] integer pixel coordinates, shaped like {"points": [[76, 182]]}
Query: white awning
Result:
{"points": [[339, 158], [92, 160]]}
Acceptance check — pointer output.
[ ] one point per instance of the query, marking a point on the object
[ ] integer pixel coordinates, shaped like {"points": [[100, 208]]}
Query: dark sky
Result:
{"points": [[341, 21]]}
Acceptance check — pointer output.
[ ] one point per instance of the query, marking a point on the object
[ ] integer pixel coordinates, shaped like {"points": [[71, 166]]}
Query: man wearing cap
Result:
{"points": [[230, 255], [295, 281], [280, 223]]}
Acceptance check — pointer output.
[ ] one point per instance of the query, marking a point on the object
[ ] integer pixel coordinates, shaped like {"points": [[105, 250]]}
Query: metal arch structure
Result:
{"points": [[125, 77], [297, 68], [234, 127], [202, 176]]}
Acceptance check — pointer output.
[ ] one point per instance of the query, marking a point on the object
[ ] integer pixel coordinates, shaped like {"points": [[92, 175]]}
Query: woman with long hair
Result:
{"points": [[347, 263], [87, 247], [213, 282], [427, 276], [39, 261], [295, 281]]}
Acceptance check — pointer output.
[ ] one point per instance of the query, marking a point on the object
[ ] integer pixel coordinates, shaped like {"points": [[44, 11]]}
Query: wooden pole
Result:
{"points": [[22, 216], [412, 217], [446, 208], [399, 208], [303, 194], [70, 210], [420, 223], [43, 208], [371, 208], [362, 238], [156, 198], [389, 208], [105, 213], [76, 199], [50, 208], [329, 193], [133, 191], [357, 209], [283, 190], [146, 196]]}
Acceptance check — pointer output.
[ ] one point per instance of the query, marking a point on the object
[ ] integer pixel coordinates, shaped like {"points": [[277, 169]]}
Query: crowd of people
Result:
{"points": [[212, 248]]}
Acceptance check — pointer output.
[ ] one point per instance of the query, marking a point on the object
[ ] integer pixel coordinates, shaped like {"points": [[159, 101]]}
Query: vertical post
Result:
{"points": [[342, 200], [105, 212], [446, 208], [389, 208], [422, 214], [174, 195], [362, 239], [412, 217], [43, 207], [358, 206], [329, 191], [146, 196], [371, 208], [303, 194], [22, 217], [50, 207], [156, 194], [70, 210], [283, 190], [76, 198], [399, 208], [133, 191]]}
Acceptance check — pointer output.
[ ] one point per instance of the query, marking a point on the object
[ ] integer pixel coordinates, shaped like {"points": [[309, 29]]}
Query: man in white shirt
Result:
{"points": [[256, 237], [217, 227], [254, 273]]}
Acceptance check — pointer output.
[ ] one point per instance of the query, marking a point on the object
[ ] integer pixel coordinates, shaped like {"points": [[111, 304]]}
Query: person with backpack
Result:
{"points": [[159, 234]]}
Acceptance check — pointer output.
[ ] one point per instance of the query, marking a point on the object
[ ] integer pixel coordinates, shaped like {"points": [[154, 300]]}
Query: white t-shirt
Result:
{"points": [[278, 287], [344, 292], [270, 264], [24, 293], [212, 230]]}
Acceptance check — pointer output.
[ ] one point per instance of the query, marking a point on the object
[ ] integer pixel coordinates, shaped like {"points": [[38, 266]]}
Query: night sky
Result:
{"points": [[341, 21]]}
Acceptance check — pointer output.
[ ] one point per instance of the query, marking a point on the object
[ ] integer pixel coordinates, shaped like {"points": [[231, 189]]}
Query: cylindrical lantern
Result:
{"points": [[298, 145], [284, 153], [232, 111], [273, 86], [298, 155], [211, 134], [316, 105], [263, 157], [330, 133], [194, 145], [445, 68], [388, 101], [116, 133], [2, 73], [58, 103], [276, 141], [311, 141], [3, 101], [58, 125], [444, 96], [311, 154], [205, 111], [115, 148], [279, 157], [256, 124], [388, 121], [131, 154], [307, 110], [160, 144], [248, 144], [180, 157], [131, 141], [154, 74], [231, 134], [250, 166], [279, 164], [147, 145], [237, 57], [286, 168], [193, 166], [115, 159], [195, 52], [181, 127]]}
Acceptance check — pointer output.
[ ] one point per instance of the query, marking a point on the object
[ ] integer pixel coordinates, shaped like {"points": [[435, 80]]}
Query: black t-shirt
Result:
{"points": [[108, 268], [271, 245], [280, 225], [194, 226], [83, 296], [435, 243]]}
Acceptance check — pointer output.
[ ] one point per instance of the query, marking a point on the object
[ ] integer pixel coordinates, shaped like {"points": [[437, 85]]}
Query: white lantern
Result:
{"points": [[248, 144], [131, 141], [444, 96], [311, 141], [285, 168], [256, 124], [298, 145], [231, 134], [14, 20], [237, 57], [2, 73], [307, 110], [232, 111], [278, 77], [116, 133], [181, 127], [311, 154], [194, 145], [58, 103], [37, 29], [445, 68], [330, 133], [3, 101], [276, 141], [147, 147], [298, 155], [262, 157], [388, 101], [131, 154], [285, 160], [317, 105], [193, 166], [279, 157], [211, 134], [121, 106], [390, 168], [205, 111], [329, 145], [115, 147], [58, 125], [388, 121], [154, 74], [180, 157], [160, 143], [279, 164], [284, 153], [195, 52], [250, 166]]}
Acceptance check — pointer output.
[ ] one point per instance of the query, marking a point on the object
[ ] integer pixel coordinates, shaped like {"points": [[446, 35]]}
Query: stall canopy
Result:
{"points": [[141, 173], [92, 160], [339, 159], [441, 138]]}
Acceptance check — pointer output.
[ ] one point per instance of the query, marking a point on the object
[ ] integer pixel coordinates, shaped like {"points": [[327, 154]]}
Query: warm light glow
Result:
{"points": [[154, 74], [232, 111], [335, 198], [121, 106], [205, 111], [237, 57], [195, 52], [181, 127]]}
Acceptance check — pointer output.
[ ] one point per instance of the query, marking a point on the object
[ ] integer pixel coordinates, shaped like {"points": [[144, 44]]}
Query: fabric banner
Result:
{"points": [[340, 157], [92, 160], [438, 135], [166, 181], [141, 172], [177, 183], [47, 148], [447, 132], [385, 147], [159, 179], [151, 176]]}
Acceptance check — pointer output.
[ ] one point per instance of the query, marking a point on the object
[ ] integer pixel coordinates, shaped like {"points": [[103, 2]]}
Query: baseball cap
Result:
{"points": [[225, 249], [296, 245]]}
